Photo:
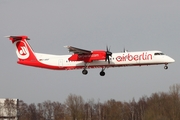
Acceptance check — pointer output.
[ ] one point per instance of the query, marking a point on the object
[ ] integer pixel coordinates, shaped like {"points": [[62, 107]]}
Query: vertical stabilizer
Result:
{"points": [[23, 50]]}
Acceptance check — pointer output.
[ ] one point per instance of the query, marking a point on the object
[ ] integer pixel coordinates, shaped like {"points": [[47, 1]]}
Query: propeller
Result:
{"points": [[108, 53]]}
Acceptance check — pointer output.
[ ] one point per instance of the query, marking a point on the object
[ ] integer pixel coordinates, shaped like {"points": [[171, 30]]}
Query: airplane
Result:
{"points": [[85, 59]]}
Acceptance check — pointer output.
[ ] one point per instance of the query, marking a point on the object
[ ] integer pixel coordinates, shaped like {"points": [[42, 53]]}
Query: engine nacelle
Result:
{"points": [[95, 55]]}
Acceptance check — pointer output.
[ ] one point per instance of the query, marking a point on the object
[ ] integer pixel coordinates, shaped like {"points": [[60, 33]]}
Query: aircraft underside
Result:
{"points": [[103, 67], [86, 66]]}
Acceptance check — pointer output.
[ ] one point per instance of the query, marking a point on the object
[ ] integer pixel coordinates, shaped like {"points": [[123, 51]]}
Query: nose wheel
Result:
{"points": [[165, 67]]}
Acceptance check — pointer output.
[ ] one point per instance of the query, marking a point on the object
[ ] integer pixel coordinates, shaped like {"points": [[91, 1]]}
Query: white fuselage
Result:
{"points": [[117, 60]]}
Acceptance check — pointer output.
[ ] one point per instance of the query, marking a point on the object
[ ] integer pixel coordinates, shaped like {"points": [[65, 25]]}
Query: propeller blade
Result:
{"points": [[108, 53], [108, 60]]}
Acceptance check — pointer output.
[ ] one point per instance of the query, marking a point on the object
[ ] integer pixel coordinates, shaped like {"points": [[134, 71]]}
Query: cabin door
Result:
{"points": [[60, 62]]}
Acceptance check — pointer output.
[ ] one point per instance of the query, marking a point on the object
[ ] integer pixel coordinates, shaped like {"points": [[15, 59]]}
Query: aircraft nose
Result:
{"points": [[171, 60]]}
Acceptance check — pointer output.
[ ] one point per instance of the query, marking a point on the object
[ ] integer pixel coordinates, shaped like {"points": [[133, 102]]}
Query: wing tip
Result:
{"points": [[67, 46]]}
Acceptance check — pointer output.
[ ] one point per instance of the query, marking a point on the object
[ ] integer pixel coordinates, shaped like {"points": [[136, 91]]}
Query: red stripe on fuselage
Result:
{"points": [[41, 65]]}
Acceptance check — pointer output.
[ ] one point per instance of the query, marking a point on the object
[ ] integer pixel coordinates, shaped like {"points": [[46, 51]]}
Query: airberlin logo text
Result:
{"points": [[129, 57], [21, 50]]}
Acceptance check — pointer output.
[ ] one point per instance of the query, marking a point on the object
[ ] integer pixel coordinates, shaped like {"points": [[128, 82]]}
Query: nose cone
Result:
{"points": [[171, 60]]}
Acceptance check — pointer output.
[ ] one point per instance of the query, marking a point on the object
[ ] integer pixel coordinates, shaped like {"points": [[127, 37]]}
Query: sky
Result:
{"points": [[51, 24]]}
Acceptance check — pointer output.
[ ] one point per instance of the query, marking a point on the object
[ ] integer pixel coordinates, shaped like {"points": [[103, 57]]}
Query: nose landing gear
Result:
{"points": [[165, 67]]}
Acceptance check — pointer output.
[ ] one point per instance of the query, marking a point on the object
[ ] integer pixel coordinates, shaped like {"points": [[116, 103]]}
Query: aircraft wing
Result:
{"points": [[78, 50]]}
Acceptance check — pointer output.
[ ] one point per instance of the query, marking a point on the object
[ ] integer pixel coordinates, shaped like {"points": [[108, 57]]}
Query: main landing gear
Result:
{"points": [[102, 73], [85, 72]]}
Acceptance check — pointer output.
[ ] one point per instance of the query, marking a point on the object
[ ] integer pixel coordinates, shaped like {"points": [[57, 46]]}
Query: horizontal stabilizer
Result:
{"points": [[15, 38]]}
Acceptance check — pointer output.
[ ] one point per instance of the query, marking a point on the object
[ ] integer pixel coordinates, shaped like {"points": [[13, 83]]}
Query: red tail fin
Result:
{"points": [[23, 49]]}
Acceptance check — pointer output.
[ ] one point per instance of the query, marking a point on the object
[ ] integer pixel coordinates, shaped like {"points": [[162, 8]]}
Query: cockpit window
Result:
{"points": [[161, 53], [158, 53]]}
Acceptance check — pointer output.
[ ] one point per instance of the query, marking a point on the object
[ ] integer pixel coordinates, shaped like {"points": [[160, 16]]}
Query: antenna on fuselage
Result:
{"points": [[124, 50]]}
